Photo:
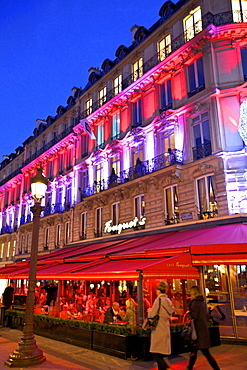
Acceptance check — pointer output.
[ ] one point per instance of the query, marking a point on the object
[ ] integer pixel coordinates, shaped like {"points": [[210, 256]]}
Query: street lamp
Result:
{"points": [[27, 352]]}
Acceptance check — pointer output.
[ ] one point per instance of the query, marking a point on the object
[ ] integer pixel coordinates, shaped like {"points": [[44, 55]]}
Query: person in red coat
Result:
{"points": [[198, 312]]}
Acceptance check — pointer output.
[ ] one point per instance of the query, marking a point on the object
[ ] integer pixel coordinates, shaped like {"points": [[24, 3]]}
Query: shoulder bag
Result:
{"points": [[154, 320]]}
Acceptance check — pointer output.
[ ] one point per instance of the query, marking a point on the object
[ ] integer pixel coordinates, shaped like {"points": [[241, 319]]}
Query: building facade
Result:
{"points": [[156, 140]]}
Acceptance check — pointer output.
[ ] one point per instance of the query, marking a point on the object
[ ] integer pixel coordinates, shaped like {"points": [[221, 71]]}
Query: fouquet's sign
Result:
{"points": [[126, 225]]}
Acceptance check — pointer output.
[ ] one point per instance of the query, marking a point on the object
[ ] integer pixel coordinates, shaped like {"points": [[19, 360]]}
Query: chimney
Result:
{"points": [[133, 30]]}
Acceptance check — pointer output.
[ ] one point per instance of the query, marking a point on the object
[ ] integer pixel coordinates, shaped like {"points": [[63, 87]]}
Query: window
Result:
{"points": [[22, 244], [116, 163], [206, 200], [68, 197], [239, 8], [8, 250], [171, 205], [192, 24], [117, 85], [99, 186], [58, 235], [59, 199], [98, 223], [167, 140], [164, 47], [83, 188], [55, 137], [196, 80], [67, 233], [2, 248], [244, 60], [137, 113], [102, 96], [139, 206], [83, 225], [116, 126], [201, 134], [50, 168], [27, 243], [137, 152], [166, 95], [137, 69], [47, 232], [89, 106], [14, 248], [100, 135], [84, 145], [115, 213]]}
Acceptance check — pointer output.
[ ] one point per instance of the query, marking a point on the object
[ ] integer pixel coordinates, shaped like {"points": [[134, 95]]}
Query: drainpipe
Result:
{"points": [[232, 304], [140, 299]]}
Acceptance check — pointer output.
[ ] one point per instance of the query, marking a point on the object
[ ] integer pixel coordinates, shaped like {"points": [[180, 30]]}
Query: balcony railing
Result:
{"points": [[207, 214], [202, 151], [175, 156], [6, 230], [49, 145], [10, 176]]}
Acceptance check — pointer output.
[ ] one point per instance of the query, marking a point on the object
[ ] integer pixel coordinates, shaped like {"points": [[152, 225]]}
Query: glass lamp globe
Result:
{"points": [[38, 185]]}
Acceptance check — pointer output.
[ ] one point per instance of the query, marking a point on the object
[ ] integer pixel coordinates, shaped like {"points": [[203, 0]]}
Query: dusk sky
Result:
{"points": [[47, 47]]}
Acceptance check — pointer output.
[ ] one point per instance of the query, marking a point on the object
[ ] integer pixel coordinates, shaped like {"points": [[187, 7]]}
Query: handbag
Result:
{"points": [[153, 321], [188, 332]]}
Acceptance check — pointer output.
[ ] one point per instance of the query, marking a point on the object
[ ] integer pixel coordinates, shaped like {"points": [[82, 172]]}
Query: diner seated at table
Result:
{"points": [[130, 315], [178, 304], [113, 314]]}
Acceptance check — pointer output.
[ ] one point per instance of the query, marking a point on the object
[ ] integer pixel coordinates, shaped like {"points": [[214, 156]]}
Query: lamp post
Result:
{"points": [[27, 352]]}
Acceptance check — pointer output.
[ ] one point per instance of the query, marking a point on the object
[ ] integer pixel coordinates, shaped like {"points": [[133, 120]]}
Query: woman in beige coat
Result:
{"points": [[160, 335]]}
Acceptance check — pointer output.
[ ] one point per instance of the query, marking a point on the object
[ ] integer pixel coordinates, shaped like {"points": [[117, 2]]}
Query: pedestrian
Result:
{"points": [[8, 296], [130, 315], [160, 346], [198, 312]]}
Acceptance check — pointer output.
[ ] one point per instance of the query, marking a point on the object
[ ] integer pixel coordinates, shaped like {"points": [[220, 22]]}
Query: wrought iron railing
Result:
{"points": [[202, 151], [174, 156], [207, 214], [11, 175]]}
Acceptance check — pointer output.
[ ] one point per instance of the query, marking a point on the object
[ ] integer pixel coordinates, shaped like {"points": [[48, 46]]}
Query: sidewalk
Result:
{"points": [[62, 356]]}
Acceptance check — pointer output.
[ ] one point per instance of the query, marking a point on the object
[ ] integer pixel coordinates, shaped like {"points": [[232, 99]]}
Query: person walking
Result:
{"points": [[160, 346], [198, 312]]}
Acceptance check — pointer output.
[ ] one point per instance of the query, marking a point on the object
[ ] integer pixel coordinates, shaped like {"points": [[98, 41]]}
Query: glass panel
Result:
{"points": [[239, 285], [244, 60], [218, 298], [197, 135], [169, 203], [192, 80], [200, 72], [202, 195]]}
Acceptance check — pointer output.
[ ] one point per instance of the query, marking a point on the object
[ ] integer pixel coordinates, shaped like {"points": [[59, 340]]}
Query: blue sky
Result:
{"points": [[47, 47]]}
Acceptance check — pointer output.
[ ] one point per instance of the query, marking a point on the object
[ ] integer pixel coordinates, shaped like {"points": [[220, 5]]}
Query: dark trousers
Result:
{"points": [[207, 354], [159, 358]]}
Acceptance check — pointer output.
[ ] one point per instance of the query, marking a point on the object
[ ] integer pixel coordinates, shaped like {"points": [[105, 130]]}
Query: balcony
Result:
{"points": [[202, 151], [207, 214], [6, 230], [141, 169]]}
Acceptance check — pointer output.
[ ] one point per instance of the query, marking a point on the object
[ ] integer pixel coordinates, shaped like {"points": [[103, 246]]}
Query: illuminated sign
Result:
{"points": [[242, 129], [126, 225]]}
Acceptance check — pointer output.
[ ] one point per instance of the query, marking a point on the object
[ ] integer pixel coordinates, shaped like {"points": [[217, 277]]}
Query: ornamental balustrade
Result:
{"points": [[143, 168], [202, 151]]}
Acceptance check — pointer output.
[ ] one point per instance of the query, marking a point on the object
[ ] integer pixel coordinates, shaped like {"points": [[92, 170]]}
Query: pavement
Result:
{"points": [[63, 356]]}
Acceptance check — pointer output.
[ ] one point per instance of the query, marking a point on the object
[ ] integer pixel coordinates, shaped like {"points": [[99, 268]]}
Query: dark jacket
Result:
{"points": [[8, 296], [109, 315], [198, 312]]}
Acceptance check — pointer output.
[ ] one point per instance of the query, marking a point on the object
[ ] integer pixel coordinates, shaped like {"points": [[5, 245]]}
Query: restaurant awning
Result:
{"points": [[151, 253]]}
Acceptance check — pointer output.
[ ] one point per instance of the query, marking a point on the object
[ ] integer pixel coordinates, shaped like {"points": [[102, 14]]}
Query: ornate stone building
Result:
{"points": [[153, 142]]}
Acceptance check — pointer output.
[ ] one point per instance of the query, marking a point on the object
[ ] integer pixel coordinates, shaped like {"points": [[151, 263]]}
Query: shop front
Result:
{"points": [[223, 270]]}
